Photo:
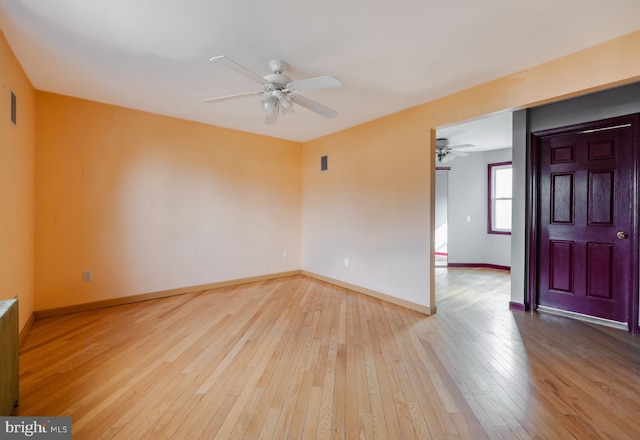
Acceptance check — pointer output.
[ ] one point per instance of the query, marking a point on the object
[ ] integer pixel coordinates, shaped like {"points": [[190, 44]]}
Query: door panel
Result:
{"points": [[600, 270], [561, 266], [584, 198], [562, 198]]}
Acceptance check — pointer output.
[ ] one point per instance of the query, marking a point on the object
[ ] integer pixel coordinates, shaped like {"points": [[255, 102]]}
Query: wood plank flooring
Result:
{"points": [[301, 359]]}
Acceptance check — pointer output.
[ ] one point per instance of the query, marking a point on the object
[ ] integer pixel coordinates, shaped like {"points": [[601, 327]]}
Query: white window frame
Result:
{"points": [[491, 209]]}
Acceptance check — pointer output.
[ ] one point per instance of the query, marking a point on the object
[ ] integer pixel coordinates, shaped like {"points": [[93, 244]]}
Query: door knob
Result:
{"points": [[622, 235]]}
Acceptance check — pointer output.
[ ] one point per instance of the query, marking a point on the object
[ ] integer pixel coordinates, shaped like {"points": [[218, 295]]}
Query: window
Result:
{"points": [[499, 208]]}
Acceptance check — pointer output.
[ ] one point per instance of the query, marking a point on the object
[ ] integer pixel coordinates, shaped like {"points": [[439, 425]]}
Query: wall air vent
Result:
{"points": [[13, 108], [324, 163]]}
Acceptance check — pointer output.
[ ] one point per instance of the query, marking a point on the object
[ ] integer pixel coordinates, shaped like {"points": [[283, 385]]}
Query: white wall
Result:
{"points": [[468, 241], [442, 194]]}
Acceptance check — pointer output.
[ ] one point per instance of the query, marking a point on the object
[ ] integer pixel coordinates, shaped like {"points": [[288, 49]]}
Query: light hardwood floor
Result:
{"points": [[298, 358]]}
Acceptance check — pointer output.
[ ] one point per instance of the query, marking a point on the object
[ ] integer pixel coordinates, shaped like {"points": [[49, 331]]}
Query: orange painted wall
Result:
{"points": [[375, 204], [17, 144], [151, 203]]}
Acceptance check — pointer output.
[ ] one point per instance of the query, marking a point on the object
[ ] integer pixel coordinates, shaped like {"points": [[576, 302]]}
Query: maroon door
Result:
{"points": [[585, 220]]}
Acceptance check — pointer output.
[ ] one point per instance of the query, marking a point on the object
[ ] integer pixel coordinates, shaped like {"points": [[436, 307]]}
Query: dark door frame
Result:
{"points": [[534, 211]]}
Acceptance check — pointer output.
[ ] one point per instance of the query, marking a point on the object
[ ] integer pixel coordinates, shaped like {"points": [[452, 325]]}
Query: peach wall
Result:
{"points": [[375, 204], [16, 184], [150, 203], [371, 206]]}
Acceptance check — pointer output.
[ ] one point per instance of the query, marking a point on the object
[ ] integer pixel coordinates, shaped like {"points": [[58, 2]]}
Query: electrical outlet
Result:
{"points": [[285, 254], [346, 261], [87, 275]]}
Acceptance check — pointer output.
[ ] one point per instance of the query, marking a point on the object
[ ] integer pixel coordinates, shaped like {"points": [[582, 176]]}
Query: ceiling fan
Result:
{"points": [[280, 90], [446, 153]]}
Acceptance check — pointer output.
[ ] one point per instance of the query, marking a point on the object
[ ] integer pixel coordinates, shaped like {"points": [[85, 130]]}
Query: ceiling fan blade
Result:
{"points": [[458, 153], [320, 82], [228, 62], [230, 97], [461, 146], [314, 106]]}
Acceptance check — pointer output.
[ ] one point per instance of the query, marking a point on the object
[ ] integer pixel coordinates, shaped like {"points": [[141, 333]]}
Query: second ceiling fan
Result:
{"points": [[446, 153], [280, 90]]}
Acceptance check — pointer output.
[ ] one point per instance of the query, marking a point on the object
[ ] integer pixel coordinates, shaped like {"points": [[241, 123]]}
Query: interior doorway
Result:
{"points": [[462, 238]]}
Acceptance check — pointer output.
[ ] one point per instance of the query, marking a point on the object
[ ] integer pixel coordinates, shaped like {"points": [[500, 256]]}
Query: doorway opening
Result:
{"points": [[463, 238]]}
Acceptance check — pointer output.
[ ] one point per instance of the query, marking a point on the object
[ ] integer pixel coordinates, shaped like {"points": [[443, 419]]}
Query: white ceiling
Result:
{"points": [[490, 132], [153, 55]]}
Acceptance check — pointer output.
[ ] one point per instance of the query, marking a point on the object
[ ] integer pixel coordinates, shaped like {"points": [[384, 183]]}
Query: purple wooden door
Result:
{"points": [[585, 220]]}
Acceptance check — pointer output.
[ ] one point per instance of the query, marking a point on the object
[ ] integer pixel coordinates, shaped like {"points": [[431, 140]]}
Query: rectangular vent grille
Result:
{"points": [[324, 163], [13, 108]]}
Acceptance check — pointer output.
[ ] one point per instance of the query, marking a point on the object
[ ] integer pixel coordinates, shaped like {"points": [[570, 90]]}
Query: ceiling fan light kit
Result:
{"points": [[270, 105], [280, 89]]}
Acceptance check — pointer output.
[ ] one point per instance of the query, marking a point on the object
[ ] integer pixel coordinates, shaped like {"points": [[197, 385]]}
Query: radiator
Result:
{"points": [[8, 356]]}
